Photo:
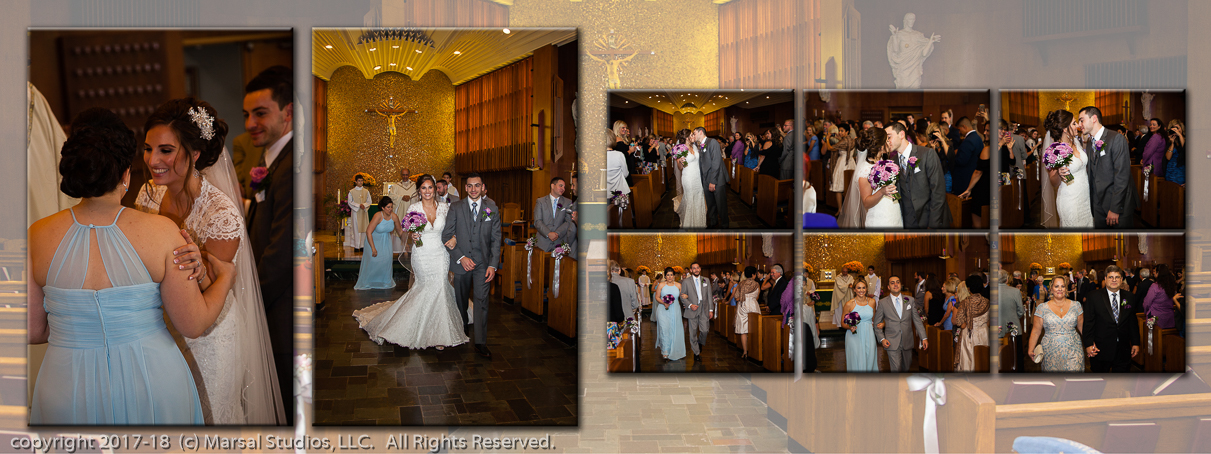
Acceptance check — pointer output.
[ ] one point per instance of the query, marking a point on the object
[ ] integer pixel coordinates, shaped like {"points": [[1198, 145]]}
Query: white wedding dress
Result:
{"points": [[426, 315], [235, 374], [1072, 200], [884, 215], [693, 199]]}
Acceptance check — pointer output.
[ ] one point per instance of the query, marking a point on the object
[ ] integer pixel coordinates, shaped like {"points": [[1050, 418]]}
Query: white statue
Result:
{"points": [[734, 120], [906, 52], [1146, 101]]}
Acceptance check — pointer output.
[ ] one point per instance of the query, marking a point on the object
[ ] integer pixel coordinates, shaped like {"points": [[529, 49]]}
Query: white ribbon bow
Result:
{"points": [[1147, 181], [935, 390], [555, 285], [529, 256]]}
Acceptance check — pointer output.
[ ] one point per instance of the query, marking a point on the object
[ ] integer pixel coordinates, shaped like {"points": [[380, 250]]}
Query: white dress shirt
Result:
{"points": [[271, 153]]}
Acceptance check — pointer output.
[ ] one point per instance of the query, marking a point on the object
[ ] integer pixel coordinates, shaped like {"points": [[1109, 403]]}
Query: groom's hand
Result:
{"points": [[490, 274], [711, 187], [552, 236], [886, 343], [1091, 350], [1111, 218], [467, 263]]}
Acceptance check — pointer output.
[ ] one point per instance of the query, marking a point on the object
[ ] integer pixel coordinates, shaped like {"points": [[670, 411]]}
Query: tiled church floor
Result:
{"points": [[717, 356], [530, 380]]}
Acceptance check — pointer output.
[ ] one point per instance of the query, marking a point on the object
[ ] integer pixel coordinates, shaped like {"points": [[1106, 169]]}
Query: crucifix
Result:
{"points": [[1067, 99], [615, 52], [391, 111]]}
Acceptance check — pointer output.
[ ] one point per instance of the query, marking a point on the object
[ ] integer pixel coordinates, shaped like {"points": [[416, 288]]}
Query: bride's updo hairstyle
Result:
{"points": [[175, 114], [94, 159], [420, 181], [872, 141], [683, 136], [1057, 121]]}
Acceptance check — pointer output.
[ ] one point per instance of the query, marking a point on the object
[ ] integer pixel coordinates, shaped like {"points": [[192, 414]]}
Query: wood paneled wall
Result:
{"points": [[714, 249], [319, 140], [664, 123], [759, 40], [883, 106], [714, 123], [492, 118]]}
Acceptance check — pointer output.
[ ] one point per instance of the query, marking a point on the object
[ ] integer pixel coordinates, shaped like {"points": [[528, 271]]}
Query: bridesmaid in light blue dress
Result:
{"points": [[860, 353], [670, 333], [104, 279], [377, 259]]}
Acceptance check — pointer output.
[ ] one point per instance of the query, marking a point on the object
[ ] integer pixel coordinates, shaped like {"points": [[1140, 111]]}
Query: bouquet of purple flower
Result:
{"points": [[680, 151], [851, 319], [414, 222], [344, 210], [668, 300], [885, 173], [1057, 155]]}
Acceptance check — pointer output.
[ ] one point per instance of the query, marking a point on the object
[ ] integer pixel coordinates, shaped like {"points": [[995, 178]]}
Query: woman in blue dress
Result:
{"points": [[860, 353], [104, 280], [1060, 321], [753, 156], [376, 268], [670, 333]]}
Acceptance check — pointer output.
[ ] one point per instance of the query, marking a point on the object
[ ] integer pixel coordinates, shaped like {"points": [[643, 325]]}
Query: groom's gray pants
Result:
{"points": [[716, 206], [471, 284], [899, 359], [700, 327]]}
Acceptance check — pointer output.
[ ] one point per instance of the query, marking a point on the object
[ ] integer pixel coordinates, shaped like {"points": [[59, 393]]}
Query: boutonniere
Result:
{"points": [[1124, 304], [486, 215], [1097, 145], [260, 178], [912, 162]]}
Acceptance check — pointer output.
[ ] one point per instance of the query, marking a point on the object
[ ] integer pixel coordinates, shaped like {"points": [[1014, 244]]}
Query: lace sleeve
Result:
{"points": [[216, 217], [148, 200]]}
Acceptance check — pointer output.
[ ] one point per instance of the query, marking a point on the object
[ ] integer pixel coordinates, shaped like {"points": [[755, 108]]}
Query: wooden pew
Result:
{"points": [[620, 359], [1149, 208], [748, 182], [641, 202], [1033, 184], [658, 185], [771, 341], [772, 192], [561, 315], [625, 221], [532, 296], [513, 271], [1011, 216], [956, 210], [756, 322], [1171, 205], [734, 184], [509, 212]]}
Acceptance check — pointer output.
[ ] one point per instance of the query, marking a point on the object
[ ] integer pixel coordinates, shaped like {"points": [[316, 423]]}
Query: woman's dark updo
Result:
{"points": [[175, 115], [423, 178], [94, 159], [384, 201], [1057, 121], [872, 141]]}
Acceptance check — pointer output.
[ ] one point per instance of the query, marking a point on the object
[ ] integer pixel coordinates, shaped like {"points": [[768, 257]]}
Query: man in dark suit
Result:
{"points": [[475, 220], [714, 179], [966, 156], [922, 182], [1111, 187], [1111, 332], [774, 301], [269, 119], [1145, 284]]}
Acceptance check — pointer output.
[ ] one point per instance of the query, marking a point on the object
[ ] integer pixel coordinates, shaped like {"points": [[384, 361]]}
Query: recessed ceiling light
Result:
{"points": [[393, 64], [418, 51], [395, 46], [378, 67], [767, 97], [372, 49], [458, 52], [626, 102], [409, 68], [507, 31], [328, 46]]}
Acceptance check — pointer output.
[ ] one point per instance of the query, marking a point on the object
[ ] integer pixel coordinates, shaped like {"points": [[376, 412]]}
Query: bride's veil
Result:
{"points": [[261, 397], [1048, 217], [853, 212]]}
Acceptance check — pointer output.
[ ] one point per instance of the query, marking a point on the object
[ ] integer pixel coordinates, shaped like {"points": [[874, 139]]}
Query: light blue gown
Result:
{"points": [[670, 332], [111, 360], [860, 353], [376, 271]]}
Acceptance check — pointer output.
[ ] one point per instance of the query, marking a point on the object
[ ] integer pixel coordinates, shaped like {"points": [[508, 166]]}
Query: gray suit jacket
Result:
{"points": [[478, 237], [450, 197], [898, 330], [1111, 185], [546, 222], [1019, 153], [711, 165], [923, 189], [785, 164], [687, 288], [1011, 310], [630, 294]]}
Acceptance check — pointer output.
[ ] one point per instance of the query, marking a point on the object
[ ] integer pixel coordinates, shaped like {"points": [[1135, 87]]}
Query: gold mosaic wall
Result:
{"points": [[1053, 100], [830, 251], [359, 141], [657, 251], [1047, 250]]}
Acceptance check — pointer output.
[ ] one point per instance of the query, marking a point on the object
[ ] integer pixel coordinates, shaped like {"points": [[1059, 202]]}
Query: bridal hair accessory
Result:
{"points": [[203, 120]]}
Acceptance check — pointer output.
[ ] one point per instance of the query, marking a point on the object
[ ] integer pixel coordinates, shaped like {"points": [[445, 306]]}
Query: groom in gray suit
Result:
{"points": [[698, 307], [714, 179], [896, 309], [922, 182], [475, 221], [1112, 196]]}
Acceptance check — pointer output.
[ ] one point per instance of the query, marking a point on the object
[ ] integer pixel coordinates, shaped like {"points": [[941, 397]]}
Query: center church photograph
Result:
{"points": [[446, 195]]}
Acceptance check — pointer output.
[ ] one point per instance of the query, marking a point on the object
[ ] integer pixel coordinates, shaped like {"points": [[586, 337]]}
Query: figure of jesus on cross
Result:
{"points": [[390, 111], [613, 51]]}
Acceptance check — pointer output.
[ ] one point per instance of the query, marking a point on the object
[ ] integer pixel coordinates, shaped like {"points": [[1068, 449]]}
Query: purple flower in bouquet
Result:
{"points": [[258, 175], [912, 162], [680, 151], [1097, 146], [532, 242], [344, 209], [414, 222], [885, 173], [618, 199], [561, 251], [1148, 170], [667, 299], [852, 319], [486, 215], [1056, 156]]}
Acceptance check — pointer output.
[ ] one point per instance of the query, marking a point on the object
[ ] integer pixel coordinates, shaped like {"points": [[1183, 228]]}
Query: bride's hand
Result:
{"points": [[1064, 171], [453, 241], [889, 190], [219, 267], [415, 236]]}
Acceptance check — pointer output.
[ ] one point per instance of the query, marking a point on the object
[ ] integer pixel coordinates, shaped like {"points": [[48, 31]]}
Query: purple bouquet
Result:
{"points": [[885, 173], [414, 222], [344, 210], [680, 151], [667, 300], [1057, 155], [852, 319]]}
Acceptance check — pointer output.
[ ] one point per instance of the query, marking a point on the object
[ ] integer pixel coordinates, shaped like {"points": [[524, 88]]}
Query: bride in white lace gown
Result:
{"points": [[693, 199], [866, 207], [1071, 199], [426, 316], [235, 374]]}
